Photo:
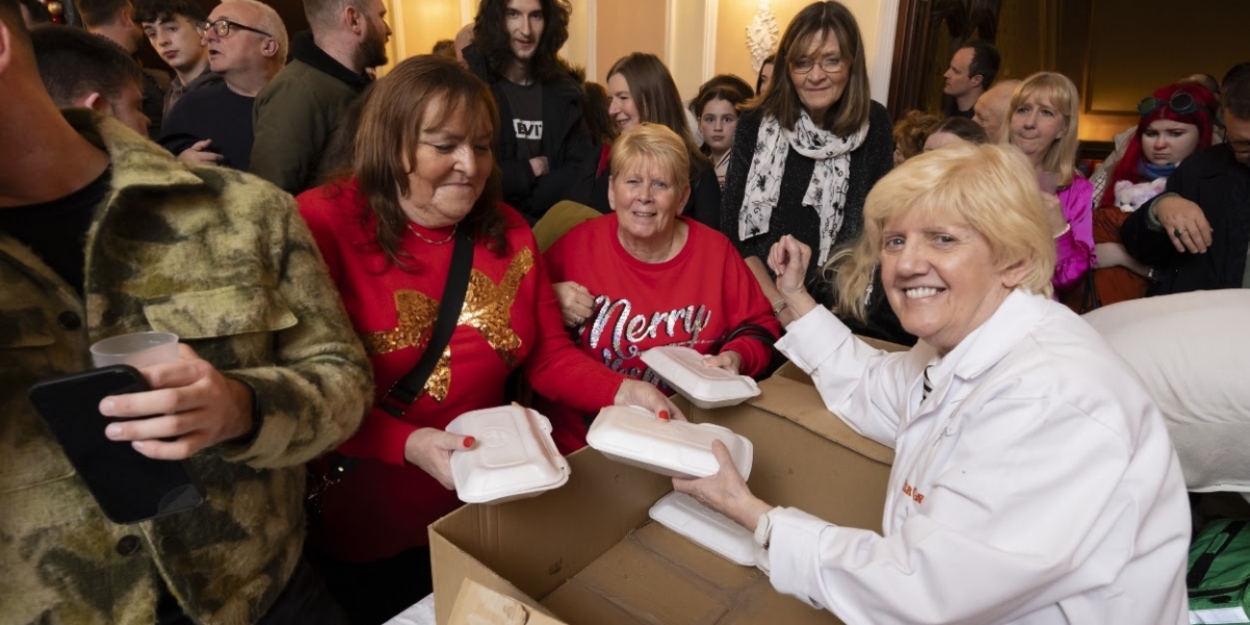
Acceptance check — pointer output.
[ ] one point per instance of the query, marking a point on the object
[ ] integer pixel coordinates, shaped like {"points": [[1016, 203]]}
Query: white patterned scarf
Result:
{"points": [[826, 193]]}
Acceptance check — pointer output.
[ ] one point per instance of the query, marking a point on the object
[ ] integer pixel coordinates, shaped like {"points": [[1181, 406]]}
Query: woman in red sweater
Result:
{"points": [[422, 173], [644, 276]]}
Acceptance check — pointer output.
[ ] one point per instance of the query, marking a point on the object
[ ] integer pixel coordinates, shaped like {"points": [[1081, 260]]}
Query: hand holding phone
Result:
{"points": [[129, 487], [195, 407]]}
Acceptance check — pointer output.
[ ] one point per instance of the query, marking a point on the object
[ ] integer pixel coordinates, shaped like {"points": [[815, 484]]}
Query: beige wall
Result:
{"points": [[625, 26], [419, 24], [686, 46]]}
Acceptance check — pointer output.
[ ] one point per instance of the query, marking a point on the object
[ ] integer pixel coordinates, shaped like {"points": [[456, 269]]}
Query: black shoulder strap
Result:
{"points": [[408, 388]]}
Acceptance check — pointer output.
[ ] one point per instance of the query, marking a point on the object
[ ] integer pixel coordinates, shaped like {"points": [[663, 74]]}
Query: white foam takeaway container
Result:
{"points": [[635, 436], [706, 387], [514, 456], [705, 527]]}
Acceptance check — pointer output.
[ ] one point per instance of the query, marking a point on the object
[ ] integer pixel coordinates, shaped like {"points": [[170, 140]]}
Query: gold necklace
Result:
{"points": [[432, 242]]}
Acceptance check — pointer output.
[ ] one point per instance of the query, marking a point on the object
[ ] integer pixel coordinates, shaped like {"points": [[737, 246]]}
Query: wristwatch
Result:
{"points": [[764, 528]]}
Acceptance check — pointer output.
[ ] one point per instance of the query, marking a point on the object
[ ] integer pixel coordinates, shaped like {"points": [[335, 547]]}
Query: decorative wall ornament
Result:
{"points": [[762, 34]]}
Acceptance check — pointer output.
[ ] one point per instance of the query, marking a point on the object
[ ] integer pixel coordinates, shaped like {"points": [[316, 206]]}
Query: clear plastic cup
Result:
{"points": [[138, 349]]}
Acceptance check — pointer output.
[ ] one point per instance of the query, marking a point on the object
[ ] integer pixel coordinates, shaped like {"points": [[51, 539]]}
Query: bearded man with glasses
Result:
{"points": [[247, 46], [1196, 234]]}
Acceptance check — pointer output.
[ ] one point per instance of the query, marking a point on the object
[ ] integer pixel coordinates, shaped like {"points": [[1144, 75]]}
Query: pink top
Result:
{"points": [[1075, 248]]}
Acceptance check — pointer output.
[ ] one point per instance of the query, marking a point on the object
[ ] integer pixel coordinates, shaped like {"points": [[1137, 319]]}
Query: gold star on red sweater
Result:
{"points": [[486, 308]]}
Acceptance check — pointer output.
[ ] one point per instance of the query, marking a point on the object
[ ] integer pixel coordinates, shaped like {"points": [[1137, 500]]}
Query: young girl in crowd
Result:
{"points": [[717, 106], [1176, 122]]}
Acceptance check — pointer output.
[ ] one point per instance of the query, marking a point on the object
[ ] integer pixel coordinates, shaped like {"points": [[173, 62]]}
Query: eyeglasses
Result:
{"points": [[222, 28], [828, 65], [1180, 102]]}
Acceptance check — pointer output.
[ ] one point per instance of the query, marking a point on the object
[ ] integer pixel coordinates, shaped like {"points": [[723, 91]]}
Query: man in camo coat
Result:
{"points": [[271, 373]]}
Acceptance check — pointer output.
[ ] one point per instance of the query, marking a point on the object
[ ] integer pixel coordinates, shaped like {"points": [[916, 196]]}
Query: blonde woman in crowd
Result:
{"points": [[1042, 123]]}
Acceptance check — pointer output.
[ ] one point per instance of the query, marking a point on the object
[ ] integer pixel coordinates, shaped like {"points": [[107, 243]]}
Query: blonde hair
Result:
{"points": [[1063, 97], [657, 144], [991, 188]]}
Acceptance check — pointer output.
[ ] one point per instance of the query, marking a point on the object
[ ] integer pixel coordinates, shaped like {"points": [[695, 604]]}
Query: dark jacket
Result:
{"points": [[1215, 181], [570, 153], [873, 159], [868, 164], [295, 114]]}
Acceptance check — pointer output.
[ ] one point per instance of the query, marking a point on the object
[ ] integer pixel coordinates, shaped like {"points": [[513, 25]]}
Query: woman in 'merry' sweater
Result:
{"points": [[387, 235], [643, 277]]}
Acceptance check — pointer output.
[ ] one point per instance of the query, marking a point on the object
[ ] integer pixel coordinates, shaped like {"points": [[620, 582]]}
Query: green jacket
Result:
{"points": [[224, 261], [295, 114]]}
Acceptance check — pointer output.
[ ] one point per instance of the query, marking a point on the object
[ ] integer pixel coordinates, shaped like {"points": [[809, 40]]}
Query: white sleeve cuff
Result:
{"points": [[813, 338], [793, 556]]}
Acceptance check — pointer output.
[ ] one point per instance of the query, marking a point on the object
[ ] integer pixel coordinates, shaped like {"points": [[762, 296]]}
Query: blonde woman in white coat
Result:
{"points": [[1033, 483]]}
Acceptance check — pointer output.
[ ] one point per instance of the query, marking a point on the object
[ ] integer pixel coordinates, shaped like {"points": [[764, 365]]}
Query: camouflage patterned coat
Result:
{"points": [[224, 261]]}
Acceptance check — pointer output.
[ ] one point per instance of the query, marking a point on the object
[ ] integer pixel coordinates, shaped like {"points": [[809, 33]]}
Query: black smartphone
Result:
{"points": [[129, 486]]}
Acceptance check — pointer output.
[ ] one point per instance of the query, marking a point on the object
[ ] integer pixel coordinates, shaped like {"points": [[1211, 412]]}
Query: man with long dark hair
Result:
{"points": [[543, 148]]}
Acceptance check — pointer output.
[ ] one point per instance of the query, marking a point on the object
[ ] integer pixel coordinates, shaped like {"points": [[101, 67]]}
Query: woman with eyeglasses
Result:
{"points": [[1176, 121], [1042, 123], [807, 152]]}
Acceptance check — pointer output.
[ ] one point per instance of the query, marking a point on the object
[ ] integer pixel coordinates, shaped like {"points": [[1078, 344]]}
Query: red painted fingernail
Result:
{"points": [[663, 415], [468, 442]]}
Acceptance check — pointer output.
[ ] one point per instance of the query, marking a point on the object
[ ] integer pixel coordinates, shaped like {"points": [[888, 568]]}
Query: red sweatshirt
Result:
{"points": [[695, 299], [510, 319]]}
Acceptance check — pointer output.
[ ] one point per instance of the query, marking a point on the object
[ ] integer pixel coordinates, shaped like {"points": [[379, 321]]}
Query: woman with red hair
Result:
{"points": [[1176, 122]]}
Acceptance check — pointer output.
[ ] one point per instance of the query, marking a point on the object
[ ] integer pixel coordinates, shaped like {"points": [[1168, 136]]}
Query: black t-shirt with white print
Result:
{"points": [[526, 102]]}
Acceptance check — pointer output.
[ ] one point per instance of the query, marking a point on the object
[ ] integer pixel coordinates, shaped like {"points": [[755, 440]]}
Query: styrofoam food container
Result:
{"points": [[635, 436], [706, 387], [514, 456], [705, 527]]}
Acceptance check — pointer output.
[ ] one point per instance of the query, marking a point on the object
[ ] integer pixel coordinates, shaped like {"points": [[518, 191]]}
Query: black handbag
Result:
{"points": [[407, 389]]}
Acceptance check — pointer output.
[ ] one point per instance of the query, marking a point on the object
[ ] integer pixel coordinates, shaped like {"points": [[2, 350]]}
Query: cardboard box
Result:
{"points": [[587, 554], [479, 605]]}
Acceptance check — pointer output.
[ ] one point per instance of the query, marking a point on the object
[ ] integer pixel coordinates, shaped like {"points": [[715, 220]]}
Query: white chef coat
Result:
{"points": [[1035, 485], [1192, 351]]}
